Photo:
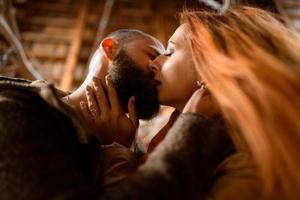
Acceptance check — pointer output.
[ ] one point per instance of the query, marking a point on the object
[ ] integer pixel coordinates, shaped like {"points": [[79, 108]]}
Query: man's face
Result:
{"points": [[131, 75]]}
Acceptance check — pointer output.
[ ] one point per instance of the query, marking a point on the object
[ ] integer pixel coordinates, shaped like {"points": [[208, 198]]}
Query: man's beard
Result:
{"points": [[130, 80]]}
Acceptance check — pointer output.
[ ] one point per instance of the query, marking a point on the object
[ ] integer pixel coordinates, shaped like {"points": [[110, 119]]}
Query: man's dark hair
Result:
{"points": [[124, 36]]}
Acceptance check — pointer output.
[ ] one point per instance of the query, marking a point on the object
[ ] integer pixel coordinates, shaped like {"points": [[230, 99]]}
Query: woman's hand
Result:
{"points": [[201, 102], [108, 120]]}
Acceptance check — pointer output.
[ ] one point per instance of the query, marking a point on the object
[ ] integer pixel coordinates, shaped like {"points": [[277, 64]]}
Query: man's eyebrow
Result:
{"points": [[155, 49], [152, 53]]}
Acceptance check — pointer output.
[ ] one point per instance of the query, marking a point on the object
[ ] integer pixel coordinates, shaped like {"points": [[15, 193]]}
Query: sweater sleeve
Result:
{"points": [[181, 166], [40, 156], [118, 162]]}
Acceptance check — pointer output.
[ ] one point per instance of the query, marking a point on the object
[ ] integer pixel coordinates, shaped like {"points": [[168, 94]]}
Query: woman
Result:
{"points": [[248, 61]]}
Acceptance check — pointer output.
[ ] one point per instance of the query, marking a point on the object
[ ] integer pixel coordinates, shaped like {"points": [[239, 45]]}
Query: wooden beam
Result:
{"points": [[44, 6], [66, 82], [103, 22], [25, 69], [47, 37], [159, 24], [53, 21]]}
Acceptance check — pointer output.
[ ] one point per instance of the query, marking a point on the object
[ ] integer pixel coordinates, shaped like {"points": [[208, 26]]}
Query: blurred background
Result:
{"points": [[54, 39]]}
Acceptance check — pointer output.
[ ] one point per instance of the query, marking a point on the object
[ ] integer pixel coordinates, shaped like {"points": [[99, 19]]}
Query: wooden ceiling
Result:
{"points": [[59, 36]]}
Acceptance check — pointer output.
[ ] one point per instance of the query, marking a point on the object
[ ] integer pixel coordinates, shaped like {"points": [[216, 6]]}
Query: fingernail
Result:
{"points": [[81, 103], [94, 112], [133, 99], [88, 88], [199, 83], [96, 84], [107, 80], [95, 80]]}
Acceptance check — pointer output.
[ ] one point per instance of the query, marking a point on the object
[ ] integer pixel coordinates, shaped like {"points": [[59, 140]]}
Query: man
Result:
{"points": [[125, 55], [53, 152]]}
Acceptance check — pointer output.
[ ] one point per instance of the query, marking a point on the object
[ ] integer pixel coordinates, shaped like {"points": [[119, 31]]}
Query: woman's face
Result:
{"points": [[175, 71]]}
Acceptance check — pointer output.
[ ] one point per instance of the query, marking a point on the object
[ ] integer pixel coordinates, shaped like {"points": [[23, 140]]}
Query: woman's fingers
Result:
{"points": [[113, 96], [92, 104], [85, 110], [132, 112], [101, 98], [192, 104]]}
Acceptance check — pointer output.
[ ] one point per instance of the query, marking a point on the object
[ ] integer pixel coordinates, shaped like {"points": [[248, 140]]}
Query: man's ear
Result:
{"points": [[109, 47]]}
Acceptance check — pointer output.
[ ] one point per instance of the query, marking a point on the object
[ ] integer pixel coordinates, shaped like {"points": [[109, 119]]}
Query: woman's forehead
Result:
{"points": [[178, 35]]}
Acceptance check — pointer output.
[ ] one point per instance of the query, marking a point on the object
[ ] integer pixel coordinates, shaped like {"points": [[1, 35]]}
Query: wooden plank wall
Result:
{"points": [[55, 37]]}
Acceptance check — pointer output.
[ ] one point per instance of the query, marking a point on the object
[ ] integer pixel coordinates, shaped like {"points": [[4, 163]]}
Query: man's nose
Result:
{"points": [[155, 64]]}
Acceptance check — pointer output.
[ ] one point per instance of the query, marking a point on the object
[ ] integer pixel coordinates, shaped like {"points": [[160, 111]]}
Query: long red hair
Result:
{"points": [[251, 64]]}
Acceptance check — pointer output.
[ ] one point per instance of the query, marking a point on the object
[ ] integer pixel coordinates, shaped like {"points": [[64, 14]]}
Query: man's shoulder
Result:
{"points": [[236, 177], [36, 85], [50, 94], [38, 144]]}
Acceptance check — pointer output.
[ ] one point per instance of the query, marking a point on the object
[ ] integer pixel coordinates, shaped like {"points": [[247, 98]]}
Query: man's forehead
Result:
{"points": [[157, 48], [147, 43]]}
